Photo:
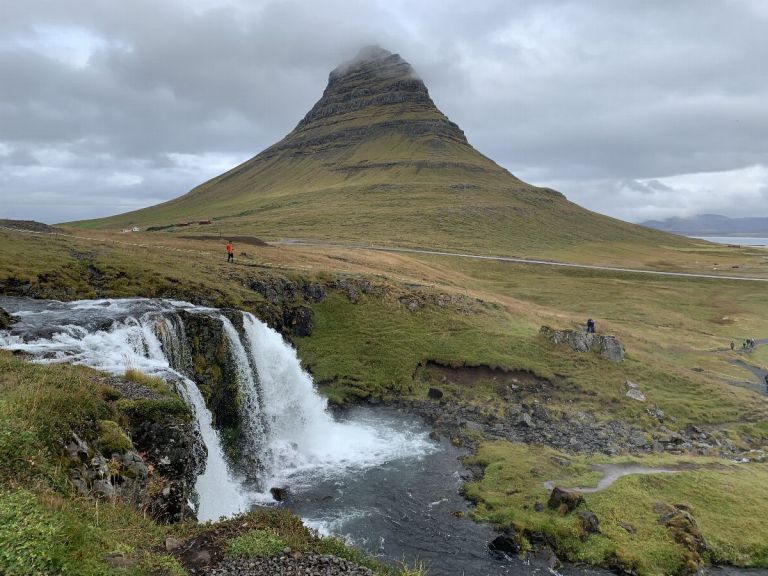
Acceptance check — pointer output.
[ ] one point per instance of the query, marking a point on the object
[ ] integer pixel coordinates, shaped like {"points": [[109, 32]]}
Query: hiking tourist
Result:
{"points": [[230, 252], [590, 326]]}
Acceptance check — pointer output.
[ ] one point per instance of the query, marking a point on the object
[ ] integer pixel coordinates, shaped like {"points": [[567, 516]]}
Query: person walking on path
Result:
{"points": [[230, 252], [733, 344], [590, 326]]}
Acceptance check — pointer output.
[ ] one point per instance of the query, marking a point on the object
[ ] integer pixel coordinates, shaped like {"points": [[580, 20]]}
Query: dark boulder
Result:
{"points": [[280, 493], [564, 501], [505, 544], [435, 393]]}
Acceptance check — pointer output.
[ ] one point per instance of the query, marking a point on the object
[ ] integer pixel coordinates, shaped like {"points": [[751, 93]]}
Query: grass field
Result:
{"points": [[676, 332]]}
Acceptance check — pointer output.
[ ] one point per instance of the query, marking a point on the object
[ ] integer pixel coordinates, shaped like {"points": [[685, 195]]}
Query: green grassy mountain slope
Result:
{"points": [[375, 161]]}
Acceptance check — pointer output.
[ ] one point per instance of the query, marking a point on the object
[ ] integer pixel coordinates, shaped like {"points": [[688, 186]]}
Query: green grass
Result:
{"points": [[727, 501], [256, 543]]}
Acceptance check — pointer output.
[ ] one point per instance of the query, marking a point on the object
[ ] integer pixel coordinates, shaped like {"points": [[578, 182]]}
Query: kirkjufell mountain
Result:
{"points": [[375, 161]]}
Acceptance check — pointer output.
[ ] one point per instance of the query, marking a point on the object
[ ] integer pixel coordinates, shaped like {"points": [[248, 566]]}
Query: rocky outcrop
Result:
{"points": [[608, 346], [632, 390], [286, 307], [155, 472], [176, 452], [214, 373]]}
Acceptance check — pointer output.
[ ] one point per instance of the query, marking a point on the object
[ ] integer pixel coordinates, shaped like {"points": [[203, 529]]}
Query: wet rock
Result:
{"points": [[435, 393], [545, 557], [280, 493], [564, 501], [175, 451], [589, 522], [505, 544]]}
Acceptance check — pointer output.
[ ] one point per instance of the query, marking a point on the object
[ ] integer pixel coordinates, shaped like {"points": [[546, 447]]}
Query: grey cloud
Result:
{"points": [[597, 97]]}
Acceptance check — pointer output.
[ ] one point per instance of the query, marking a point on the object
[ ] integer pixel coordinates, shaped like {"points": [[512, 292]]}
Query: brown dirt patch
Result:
{"points": [[469, 376]]}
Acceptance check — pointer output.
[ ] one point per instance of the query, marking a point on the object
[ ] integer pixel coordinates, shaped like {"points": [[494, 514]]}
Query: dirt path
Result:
{"points": [[612, 472]]}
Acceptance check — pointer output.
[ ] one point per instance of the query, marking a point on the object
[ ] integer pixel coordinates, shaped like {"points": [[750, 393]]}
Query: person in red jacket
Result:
{"points": [[230, 252]]}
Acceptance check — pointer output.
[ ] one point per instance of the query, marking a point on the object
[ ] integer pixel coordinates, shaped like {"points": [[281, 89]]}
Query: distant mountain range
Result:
{"points": [[712, 225]]}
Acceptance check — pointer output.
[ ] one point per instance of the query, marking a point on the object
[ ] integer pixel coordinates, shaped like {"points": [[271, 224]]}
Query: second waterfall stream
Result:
{"points": [[287, 428]]}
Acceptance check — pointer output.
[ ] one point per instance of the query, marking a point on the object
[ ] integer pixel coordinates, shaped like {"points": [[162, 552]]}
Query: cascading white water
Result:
{"points": [[250, 409], [134, 343], [302, 436], [220, 494]]}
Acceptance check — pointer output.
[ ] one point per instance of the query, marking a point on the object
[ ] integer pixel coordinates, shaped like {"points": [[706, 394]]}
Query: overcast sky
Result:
{"points": [[637, 109]]}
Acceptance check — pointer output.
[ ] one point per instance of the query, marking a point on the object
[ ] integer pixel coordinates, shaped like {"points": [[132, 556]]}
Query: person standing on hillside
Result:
{"points": [[230, 252], [590, 326]]}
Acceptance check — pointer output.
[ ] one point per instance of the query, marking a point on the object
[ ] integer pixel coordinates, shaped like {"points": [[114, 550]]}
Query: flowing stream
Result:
{"points": [[372, 476]]}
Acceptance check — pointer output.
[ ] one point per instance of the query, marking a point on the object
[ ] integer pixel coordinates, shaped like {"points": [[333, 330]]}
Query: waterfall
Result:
{"points": [[254, 425], [288, 433], [220, 493], [303, 439]]}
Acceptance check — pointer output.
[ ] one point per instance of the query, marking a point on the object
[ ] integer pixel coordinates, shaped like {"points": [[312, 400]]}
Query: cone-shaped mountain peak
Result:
{"points": [[375, 161], [376, 90]]}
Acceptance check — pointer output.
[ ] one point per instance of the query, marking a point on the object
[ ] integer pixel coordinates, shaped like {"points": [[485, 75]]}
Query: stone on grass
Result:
{"points": [[589, 522], [564, 501]]}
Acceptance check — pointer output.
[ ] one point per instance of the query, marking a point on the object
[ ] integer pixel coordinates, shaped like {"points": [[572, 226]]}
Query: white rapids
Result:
{"points": [[287, 427]]}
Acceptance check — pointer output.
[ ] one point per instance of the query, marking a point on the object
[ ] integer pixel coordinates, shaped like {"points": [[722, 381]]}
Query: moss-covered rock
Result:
{"points": [[112, 439], [214, 372]]}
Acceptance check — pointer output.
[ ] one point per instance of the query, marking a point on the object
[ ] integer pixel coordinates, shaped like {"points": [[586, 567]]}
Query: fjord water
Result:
{"points": [[371, 476]]}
